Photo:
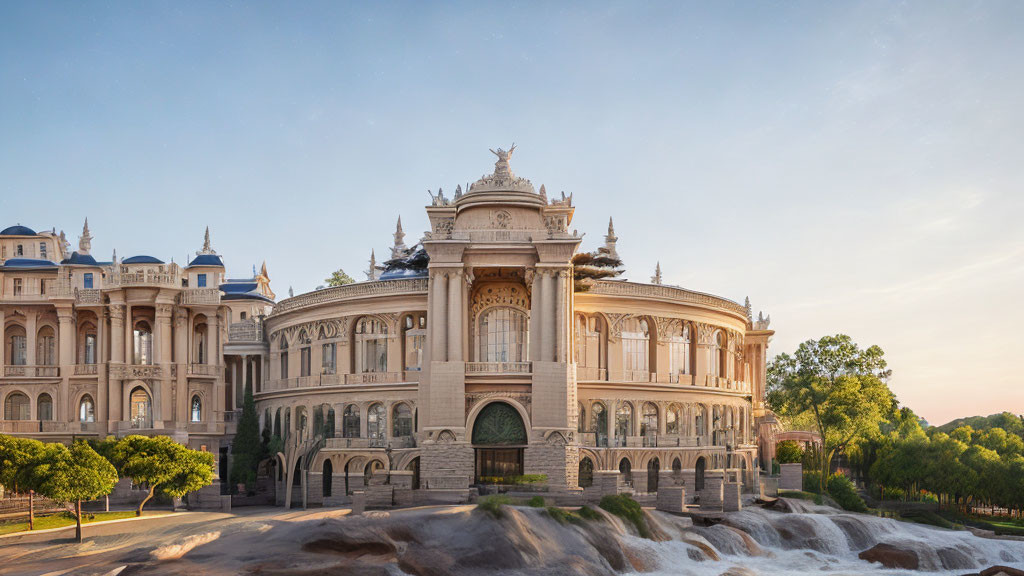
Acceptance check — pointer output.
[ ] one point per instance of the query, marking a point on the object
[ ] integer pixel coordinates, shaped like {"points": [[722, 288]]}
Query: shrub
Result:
{"points": [[628, 509], [776, 468], [789, 452], [842, 490], [536, 502], [588, 513], [492, 504], [562, 516], [520, 479], [811, 480]]}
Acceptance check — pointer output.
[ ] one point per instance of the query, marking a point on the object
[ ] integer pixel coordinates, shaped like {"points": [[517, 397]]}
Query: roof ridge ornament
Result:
{"points": [[399, 249], [206, 244], [85, 240], [502, 179]]}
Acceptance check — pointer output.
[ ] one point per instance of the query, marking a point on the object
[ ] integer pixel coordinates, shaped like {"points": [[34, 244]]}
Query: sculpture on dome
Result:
{"points": [[502, 155]]}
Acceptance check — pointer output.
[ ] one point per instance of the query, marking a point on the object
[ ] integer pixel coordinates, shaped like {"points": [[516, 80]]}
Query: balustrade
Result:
{"points": [[498, 368], [199, 297], [86, 369]]}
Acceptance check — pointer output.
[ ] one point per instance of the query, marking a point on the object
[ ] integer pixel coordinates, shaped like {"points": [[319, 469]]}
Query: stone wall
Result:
{"points": [[447, 466], [671, 499], [792, 477], [731, 497], [711, 497]]}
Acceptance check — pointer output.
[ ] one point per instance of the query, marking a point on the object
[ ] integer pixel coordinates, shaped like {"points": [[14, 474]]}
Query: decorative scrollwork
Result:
{"points": [[499, 424]]}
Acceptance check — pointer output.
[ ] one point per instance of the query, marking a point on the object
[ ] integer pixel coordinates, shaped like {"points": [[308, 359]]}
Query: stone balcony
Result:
{"points": [[27, 298], [248, 331], [498, 368], [47, 426], [588, 374], [86, 369], [122, 278], [199, 297], [31, 371]]}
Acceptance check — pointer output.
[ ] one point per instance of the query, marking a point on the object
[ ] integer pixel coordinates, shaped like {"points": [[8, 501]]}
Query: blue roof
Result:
{"points": [[29, 263], [402, 273], [238, 288], [18, 230], [247, 296], [142, 260], [81, 259], [207, 260]]}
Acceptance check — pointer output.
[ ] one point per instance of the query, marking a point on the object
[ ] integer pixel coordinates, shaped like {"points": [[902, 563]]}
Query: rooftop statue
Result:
{"points": [[502, 155]]}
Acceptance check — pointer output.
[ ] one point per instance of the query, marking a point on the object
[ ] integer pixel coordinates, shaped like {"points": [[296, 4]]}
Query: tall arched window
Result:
{"points": [[717, 352], [46, 347], [636, 353], [17, 353], [700, 420], [199, 343], [649, 420], [305, 354], [328, 355], [197, 409], [377, 425], [581, 422], [277, 423], [86, 409], [502, 335], [679, 351], [402, 420], [672, 419], [415, 327], [141, 411], [599, 422], [17, 407], [284, 357], [586, 479], [623, 423], [89, 347], [371, 348], [143, 343], [350, 421], [590, 349], [44, 407]]}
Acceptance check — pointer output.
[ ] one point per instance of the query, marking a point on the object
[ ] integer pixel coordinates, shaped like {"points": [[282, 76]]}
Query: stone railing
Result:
{"points": [[352, 291], [47, 371], [662, 292], [250, 330], [88, 297], [10, 371], [86, 369], [20, 426], [374, 378], [199, 297], [636, 376], [203, 370], [132, 371], [497, 368], [170, 276], [587, 373], [497, 235], [723, 383], [32, 371], [27, 297]]}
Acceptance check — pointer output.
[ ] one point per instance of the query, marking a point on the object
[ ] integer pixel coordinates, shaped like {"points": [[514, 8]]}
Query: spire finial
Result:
{"points": [[371, 272], [399, 249], [85, 240], [750, 312], [206, 244], [610, 239], [656, 279]]}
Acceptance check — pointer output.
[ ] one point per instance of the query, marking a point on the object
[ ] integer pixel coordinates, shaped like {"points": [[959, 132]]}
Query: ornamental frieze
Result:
{"points": [[134, 372], [505, 294], [476, 397]]}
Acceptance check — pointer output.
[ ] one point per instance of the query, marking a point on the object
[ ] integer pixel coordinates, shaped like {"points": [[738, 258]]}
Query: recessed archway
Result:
{"points": [[499, 439]]}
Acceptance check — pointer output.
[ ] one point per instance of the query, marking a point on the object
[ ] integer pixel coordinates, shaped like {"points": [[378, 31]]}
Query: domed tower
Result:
{"points": [[499, 394]]}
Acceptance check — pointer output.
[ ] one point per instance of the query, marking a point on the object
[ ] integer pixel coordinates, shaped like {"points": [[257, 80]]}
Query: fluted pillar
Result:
{"points": [[438, 319], [455, 316], [30, 337], [536, 320]]}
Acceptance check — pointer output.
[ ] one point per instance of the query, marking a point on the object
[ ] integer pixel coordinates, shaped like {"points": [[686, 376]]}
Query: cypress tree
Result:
{"points": [[246, 447]]}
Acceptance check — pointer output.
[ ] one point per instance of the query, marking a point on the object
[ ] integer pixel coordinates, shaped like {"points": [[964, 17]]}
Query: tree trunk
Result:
{"points": [[148, 497], [78, 520], [31, 509]]}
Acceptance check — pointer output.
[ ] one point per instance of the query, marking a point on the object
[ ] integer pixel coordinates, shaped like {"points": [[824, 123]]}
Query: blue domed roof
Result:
{"points": [[81, 260], [142, 260], [18, 230], [207, 260], [28, 263]]}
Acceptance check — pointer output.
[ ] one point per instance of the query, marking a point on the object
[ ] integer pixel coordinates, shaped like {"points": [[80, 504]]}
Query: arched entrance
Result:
{"points": [[626, 469], [499, 439], [653, 467], [698, 478], [328, 478], [586, 478], [414, 467]]}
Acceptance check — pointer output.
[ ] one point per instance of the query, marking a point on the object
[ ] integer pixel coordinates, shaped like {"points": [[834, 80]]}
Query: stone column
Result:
{"points": [[536, 315], [234, 377], [547, 326], [129, 339], [455, 316], [117, 349], [181, 355], [3, 343], [102, 346], [66, 335], [560, 313], [30, 337], [612, 409], [438, 318], [213, 359]]}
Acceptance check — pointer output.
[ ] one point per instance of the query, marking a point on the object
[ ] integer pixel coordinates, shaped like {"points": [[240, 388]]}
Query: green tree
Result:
{"points": [[789, 452], [247, 450], [70, 476], [339, 278], [841, 385], [160, 462], [17, 458]]}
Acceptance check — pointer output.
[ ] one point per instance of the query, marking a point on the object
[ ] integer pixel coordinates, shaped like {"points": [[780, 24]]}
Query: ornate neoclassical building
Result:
{"points": [[477, 355]]}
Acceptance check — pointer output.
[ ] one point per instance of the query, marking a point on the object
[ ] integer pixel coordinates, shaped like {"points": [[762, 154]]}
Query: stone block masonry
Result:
{"points": [[792, 477], [671, 499], [731, 501]]}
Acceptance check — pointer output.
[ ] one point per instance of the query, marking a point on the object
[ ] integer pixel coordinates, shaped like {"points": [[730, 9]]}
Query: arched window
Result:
{"points": [[328, 355], [305, 354], [623, 423], [284, 357], [679, 351], [141, 411], [636, 353], [371, 348], [372, 467], [277, 423], [649, 420], [402, 420], [46, 347], [89, 351], [143, 348], [17, 353], [199, 343], [626, 469], [17, 407], [86, 409], [590, 347], [197, 409], [502, 335], [44, 407], [329, 424], [581, 421], [377, 425], [586, 479], [415, 327], [653, 468], [700, 420], [672, 419], [717, 351], [328, 478], [350, 421]]}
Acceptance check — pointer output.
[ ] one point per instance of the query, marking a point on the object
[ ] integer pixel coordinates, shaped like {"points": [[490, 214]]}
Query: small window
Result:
{"points": [[87, 280], [242, 316], [201, 281], [197, 409], [19, 251], [86, 410], [18, 286], [42, 250], [42, 286]]}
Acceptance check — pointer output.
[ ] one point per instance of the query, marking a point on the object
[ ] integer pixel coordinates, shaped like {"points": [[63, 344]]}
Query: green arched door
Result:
{"points": [[499, 439]]}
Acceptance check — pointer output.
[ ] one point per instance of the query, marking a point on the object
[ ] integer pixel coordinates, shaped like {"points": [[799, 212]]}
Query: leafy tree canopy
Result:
{"points": [[162, 463], [339, 278]]}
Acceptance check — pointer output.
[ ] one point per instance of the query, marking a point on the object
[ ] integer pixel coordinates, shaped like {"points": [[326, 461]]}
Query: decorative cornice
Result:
{"points": [[351, 292], [661, 292]]}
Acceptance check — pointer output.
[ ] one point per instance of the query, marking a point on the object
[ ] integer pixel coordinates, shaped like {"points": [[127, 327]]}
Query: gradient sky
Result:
{"points": [[852, 168]]}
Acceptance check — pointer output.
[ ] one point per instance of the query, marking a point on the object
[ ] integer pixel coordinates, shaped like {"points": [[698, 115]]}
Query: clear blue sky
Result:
{"points": [[852, 167]]}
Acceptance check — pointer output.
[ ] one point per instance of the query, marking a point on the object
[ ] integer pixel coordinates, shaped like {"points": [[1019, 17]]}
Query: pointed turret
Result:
{"points": [[656, 279], [85, 240], [113, 258], [610, 239], [206, 244], [750, 311], [399, 249], [371, 272], [544, 193]]}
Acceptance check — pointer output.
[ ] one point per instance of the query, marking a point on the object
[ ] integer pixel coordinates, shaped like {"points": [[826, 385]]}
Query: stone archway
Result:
{"points": [[499, 439], [698, 478], [653, 469]]}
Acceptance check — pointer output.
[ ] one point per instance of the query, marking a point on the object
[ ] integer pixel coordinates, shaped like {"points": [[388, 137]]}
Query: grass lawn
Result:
{"points": [[62, 519]]}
